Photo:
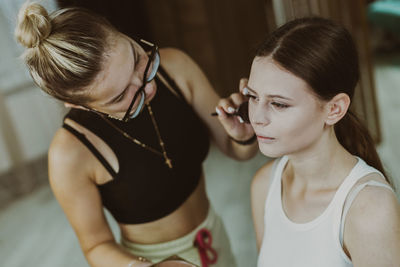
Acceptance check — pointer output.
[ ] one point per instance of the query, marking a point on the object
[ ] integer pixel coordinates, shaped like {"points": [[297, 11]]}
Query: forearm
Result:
{"points": [[240, 151], [111, 254]]}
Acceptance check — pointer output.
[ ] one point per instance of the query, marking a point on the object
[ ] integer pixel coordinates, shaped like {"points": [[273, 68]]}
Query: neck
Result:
{"points": [[324, 164]]}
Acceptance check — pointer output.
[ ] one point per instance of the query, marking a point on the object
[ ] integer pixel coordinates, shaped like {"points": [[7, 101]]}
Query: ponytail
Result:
{"points": [[355, 138]]}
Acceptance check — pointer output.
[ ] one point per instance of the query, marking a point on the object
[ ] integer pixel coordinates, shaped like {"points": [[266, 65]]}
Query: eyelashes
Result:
{"points": [[119, 99], [279, 105], [274, 103]]}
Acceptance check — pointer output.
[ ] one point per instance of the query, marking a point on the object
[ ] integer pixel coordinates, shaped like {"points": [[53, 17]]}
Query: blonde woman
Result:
{"points": [[134, 140], [325, 200]]}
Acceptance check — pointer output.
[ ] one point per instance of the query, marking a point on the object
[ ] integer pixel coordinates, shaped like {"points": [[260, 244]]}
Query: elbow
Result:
{"points": [[90, 252]]}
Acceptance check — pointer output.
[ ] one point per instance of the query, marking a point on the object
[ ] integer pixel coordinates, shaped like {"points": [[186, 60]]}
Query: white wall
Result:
{"points": [[28, 118]]}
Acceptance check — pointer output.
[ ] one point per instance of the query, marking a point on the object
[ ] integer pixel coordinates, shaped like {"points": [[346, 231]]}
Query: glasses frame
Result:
{"points": [[140, 91]]}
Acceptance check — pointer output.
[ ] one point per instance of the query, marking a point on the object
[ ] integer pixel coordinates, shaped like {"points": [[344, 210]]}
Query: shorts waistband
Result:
{"points": [[170, 247]]}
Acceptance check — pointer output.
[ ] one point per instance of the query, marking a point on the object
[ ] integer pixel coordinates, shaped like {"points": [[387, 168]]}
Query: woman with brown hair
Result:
{"points": [[325, 200], [134, 140]]}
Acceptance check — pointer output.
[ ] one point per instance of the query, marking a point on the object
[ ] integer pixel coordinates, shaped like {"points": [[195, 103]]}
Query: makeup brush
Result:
{"points": [[242, 111]]}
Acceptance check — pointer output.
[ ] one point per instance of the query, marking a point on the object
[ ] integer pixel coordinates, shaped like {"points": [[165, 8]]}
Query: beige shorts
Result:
{"points": [[184, 246]]}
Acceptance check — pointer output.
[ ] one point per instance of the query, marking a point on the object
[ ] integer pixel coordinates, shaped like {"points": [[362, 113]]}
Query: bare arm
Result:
{"points": [[80, 200], [372, 229], [259, 191], [199, 92]]}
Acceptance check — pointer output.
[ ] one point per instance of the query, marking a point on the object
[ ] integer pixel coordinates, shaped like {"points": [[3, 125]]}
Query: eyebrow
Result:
{"points": [[114, 99], [269, 96]]}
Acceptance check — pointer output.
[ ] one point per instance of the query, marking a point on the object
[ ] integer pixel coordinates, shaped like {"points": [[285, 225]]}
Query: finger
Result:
{"points": [[242, 83], [245, 91], [237, 99], [227, 105], [221, 113]]}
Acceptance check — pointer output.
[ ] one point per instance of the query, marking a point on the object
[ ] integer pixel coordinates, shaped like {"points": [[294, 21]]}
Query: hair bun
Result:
{"points": [[33, 25]]}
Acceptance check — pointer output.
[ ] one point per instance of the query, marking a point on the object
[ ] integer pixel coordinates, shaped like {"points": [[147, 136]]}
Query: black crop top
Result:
{"points": [[145, 189]]}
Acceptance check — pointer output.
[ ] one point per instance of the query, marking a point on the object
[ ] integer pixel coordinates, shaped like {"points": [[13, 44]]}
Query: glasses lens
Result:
{"points": [[155, 63], [137, 107]]}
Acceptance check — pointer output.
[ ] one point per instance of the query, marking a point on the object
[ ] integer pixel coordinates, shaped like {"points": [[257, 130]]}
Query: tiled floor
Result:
{"points": [[34, 231]]}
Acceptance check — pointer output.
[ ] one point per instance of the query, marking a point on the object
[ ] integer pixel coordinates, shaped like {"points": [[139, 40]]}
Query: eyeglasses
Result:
{"points": [[149, 73]]}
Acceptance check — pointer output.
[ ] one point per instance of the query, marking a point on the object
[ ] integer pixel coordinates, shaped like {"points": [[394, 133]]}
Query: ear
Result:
{"points": [[69, 105], [337, 108]]}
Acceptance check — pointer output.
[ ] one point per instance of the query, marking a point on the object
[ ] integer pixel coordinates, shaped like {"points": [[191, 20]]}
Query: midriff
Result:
{"points": [[175, 225]]}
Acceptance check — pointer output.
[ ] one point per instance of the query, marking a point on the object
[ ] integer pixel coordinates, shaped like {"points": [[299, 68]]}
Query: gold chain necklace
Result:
{"points": [[168, 161]]}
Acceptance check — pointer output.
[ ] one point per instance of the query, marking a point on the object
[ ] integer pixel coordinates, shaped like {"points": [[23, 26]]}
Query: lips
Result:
{"points": [[265, 139]]}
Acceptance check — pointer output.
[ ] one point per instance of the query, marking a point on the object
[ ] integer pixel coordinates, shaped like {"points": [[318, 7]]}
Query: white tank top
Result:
{"points": [[318, 242]]}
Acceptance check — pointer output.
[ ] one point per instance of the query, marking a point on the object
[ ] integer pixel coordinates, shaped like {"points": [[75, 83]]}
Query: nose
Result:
{"points": [[148, 89], [259, 115]]}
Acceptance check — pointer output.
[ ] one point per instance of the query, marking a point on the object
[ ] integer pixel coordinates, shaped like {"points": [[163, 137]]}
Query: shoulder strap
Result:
{"points": [[170, 82], [272, 172], [351, 197], [273, 176], [91, 147]]}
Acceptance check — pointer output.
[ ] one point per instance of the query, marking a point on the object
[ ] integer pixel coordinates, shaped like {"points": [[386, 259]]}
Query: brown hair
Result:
{"points": [[323, 54], [64, 50]]}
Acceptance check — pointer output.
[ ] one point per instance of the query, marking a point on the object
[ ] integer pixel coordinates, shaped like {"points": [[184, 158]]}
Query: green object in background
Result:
{"points": [[385, 14]]}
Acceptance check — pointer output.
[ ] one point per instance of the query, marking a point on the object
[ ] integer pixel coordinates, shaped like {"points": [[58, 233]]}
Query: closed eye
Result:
{"points": [[120, 98], [136, 61], [251, 96], [279, 105]]}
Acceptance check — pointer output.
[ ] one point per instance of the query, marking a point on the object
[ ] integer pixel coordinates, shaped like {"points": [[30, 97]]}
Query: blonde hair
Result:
{"points": [[65, 50]]}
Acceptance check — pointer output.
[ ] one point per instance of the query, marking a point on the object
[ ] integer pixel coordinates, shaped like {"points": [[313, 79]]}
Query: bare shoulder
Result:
{"points": [[176, 63], [173, 56], [70, 180], [65, 157], [372, 226], [373, 200], [184, 71], [374, 208]]}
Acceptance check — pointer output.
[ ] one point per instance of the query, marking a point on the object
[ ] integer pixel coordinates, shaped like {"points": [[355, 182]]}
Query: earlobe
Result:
{"points": [[338, 107]]}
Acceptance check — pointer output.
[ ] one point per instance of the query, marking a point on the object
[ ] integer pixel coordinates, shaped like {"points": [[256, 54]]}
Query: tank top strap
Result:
{"points": [[274, 182], [359, 170], [92, 149], [347, 191], [170, 82], [277, 169]]}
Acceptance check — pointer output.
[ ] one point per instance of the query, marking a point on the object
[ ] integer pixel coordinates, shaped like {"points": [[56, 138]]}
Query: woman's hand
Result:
{"points": [[234, 125]]}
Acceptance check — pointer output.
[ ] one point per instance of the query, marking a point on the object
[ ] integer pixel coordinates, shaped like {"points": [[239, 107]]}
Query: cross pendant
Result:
{"points": [[168, 162]]}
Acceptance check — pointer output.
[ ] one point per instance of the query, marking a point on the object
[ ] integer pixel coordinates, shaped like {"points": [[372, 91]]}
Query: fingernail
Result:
{"points": [[241, 120], [217, 110], [245, 91], [231, 109]]}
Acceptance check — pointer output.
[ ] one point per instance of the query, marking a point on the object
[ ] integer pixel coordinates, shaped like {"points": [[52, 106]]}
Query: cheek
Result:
{"points": [[295, 130], [302, 129]]}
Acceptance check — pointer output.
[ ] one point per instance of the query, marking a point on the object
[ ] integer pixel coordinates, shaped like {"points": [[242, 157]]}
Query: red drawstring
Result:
{"points": [[203, 242]]}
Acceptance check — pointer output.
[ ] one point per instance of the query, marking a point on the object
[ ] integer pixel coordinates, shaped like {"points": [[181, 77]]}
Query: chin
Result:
{"points": [[271, 152]]}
